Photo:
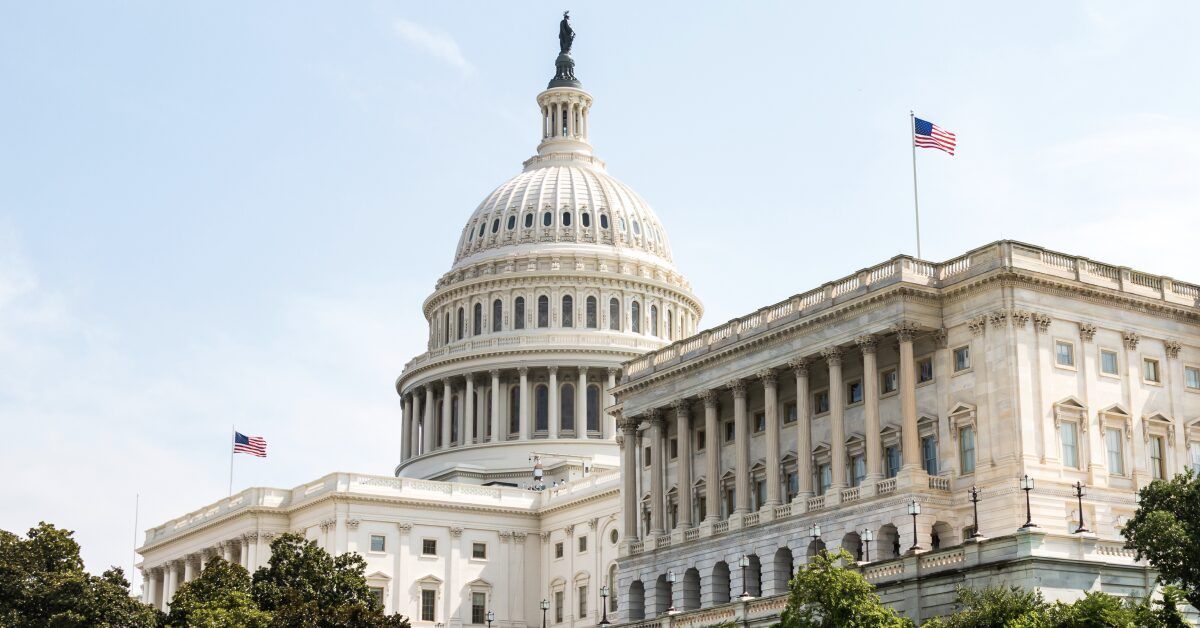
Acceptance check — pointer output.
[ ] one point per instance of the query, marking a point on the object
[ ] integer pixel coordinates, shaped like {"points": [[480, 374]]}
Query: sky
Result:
{"points": [[219, 214]]}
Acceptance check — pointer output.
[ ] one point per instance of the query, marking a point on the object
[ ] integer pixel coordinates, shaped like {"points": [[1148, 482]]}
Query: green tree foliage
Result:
{"points": [[42, 583], [826, 595], [996, 607], [304, 587], [1013, 607], [1166, 531], [219, 598]]}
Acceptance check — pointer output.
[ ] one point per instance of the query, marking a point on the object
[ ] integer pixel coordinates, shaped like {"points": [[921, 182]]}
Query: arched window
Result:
{"points": [[514, 411], [495, 225], [547, 218], [543, 312], [653, 320], [566, 407], [635, 318], [568, 311], [590, 313], [519, 313], [670, 326], [446, 329], [462, 323], [620, 223], [604, 221], [614, 314], [482, 226], [512, 222], [497, 314], [612, 586], [454, 419], [529, 220], [541, 401], [586, 219], [593, 408], [477, 320], [637, 228], [566, 219]]}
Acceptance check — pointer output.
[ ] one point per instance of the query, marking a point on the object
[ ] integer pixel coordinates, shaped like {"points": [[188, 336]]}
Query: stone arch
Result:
{"points": [[943, 535], [752, 584], [720, 585], [887, 542], [781, 571], [690, 590], [662, 595], [637, 601], [852, 543]]}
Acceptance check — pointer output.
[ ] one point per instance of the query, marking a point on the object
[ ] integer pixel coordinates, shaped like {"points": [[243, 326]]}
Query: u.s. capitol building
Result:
{"points": [[684, 474]]}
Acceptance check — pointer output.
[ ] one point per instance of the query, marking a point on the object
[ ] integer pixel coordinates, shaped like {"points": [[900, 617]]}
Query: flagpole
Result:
{"points": [[137, 503], [231, 442], [912, 135]]}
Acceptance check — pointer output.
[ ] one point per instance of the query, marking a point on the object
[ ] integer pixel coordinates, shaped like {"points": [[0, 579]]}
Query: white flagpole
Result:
{"points": [[912, 140], [137, 502], [231, 442]]}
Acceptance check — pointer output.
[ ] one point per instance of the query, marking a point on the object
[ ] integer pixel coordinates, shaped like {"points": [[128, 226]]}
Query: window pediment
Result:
{"points": [[1158, 423], [430, 581], [1070, 409]]}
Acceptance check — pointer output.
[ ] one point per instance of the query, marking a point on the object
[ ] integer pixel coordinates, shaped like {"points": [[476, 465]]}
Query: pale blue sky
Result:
{"points": [[218, 213]]}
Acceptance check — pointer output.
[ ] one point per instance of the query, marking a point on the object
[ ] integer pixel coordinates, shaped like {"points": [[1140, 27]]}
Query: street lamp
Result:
{"points": [[744, 562], [867, 537], [914, 509], [975, 493], [545, 607], [671, 586], [1027, 486], [1079, 496], [491, 617], [604, 604]]}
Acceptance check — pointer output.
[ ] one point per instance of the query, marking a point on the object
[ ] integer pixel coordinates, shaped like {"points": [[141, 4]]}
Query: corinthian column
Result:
{"points": [[657, 427], [837, 423], [495, 414], [771, 410], [581, 424], [804, 472], [428, 426], [628, 427], [712, 457], [683, 433], [868, 344], [741, 448], [447, 394], [552, 398], [524, 373], [910, 446], [465, 435], [406, 446]]}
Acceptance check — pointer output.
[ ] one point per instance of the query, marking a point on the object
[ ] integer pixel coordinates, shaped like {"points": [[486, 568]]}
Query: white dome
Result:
{"points": [[563, 198]]}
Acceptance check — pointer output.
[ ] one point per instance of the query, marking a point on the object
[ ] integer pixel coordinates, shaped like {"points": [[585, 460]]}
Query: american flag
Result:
{"points": [[253, 445], [928, 135]]}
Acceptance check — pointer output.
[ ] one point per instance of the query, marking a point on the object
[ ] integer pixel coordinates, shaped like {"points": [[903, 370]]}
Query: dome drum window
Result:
{"points": [[585, 219], [482, 226], [547, 219], [495, 225], [512, 222], [566, 219], [528, 220], [604, 221]]}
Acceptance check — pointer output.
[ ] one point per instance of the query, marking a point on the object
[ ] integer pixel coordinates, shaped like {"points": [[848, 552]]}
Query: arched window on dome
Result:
{"points": [[519, 313], [614, 314], [566, 408], [620, 223], [497, 314], [495, 225], [568, 311], [670, 326], [547, 219], [593, 409], [635, 318], [585, 219], [653, 320], [477, 320], [566, 221], [512, 222], [470, 234], [462, 323], [541, 398], [446, 329], [543, 312], [604, 221], [637, 228], [514, 412], [590, 313], [529, 220], [482, 226]]}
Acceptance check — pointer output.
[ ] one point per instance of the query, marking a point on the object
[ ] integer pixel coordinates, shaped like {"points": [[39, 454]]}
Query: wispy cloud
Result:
{"points": [[437, 44]]}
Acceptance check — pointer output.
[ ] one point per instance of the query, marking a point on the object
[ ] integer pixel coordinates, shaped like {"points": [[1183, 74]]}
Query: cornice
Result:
{"points": [[405, 382]]}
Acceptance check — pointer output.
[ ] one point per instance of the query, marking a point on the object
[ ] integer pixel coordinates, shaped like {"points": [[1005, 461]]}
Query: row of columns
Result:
{"points": [[162, 582], [576, 120], [420, 411], [656, 434]]}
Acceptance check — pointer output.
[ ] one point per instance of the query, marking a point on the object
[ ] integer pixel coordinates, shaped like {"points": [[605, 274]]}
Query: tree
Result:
{"points": [[826, 595], [219, 598], [42, 583], [1165, 530], [995, 607], [304, 587], [1013, 607]]}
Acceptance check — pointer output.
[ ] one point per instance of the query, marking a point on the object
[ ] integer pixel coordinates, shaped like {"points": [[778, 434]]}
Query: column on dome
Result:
{"points": [[406, 447], [552, 397], [495, 413], [868, 344], [712, 457], [467, 417], [447, 397], [910, 446], [585, 123], [581, 426], [771, 410], [628, 444], [609, 400], [658, 427], [524, 373], [837, 424], [570, 119], [804, 471], [741, 429], [683, 433], [414, 398]]}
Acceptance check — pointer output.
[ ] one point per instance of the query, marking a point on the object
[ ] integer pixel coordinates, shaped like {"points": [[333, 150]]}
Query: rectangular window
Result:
{"points": [[888, 381], [583, 543], [478, 607], [854, 393], [558, 607], [1064, 353], [558, 550], [1158, 466], [1150, 370], [789, 413], [892, 455], [1194, 456], [760, 422], [428, 605], [821, 402], [646, 456], [966, 449], [1068, 433], [377, 593], [858, 470], [793, 485], [924, 370], [1191, 377], [378, 542], [929, 454], [701, 440], [962, 359], [479, 550], [1108, 362], [729, 431], [674, 447], [429, 547], [583, 597], [760, 494], [1115, 448], [825, 472]]}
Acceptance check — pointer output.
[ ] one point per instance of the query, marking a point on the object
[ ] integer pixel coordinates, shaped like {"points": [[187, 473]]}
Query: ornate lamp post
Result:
{"points": [[491, 617], [1027, 486], [545, 607], [604, 605], [744, 562], [1079, 496], [975, 493], [671, 583], [914, 509], [867, 537]]}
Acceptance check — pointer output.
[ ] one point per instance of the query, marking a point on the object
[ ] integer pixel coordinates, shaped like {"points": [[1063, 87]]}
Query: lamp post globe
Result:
{"points": [[604, 605], [914, 509], [867, 537], [744, 562], [975, 497], [1027, 485], [545, 607]]}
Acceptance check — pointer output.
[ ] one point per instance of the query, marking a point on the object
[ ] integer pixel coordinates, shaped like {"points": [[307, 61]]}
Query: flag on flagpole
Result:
{"points": [[929, 135], [253, 445]]}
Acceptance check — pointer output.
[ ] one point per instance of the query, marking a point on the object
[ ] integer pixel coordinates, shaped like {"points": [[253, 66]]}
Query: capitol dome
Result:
{"points": [[561, 275]]}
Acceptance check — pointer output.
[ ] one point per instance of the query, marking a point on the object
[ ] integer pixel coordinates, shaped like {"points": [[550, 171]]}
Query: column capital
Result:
{"points": [[832, 355], [867, 343], [495, 373], [553, 370], [905, 330], [738, 388], [768, 377], [655, 417], [1087, 332], [1173, 347], [941, 338], [627, 424], [799, 366], [681, 407], [1131, 339], [522, 370], [1041, 322], [709, 397], [613, 371], [583, 371]]}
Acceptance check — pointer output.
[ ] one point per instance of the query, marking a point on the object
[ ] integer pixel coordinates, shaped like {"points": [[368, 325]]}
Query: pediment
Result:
{"points": [[962, 408]]}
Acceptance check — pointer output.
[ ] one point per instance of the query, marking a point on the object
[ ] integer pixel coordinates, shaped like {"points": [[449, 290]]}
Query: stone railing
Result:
{"points": [[883, 487], [721, 527], [750, 519], [816, 502], [783, 510], [1005, 254], [939, 483], [850, 494]]}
